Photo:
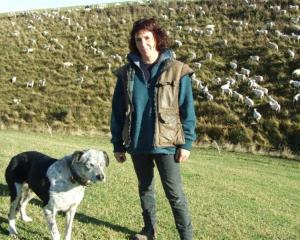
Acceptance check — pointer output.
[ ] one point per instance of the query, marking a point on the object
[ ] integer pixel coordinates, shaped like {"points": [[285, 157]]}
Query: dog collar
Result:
{"points": [[75, 178]]}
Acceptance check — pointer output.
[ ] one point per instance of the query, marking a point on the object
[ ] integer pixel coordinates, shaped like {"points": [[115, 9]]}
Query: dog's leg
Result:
{"points": [[14, 208], [27, 195], [50, 217], [69, 221]]}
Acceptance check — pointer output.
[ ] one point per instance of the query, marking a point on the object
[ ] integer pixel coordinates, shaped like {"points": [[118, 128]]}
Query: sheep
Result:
{"points": [[209, 96], [217, 80], [273, 45], [249, 102], [178, 43], [296, 73], [13, 79], [227, 91], [209, 56], [231, 80], [254, 58], [258, 93], [295, 84], [233, 65], [245, 71], [67, 64], [29, 50], [296, 37], [258, 78], [16, 101], [238, 96], [241, 76], [297, 98], [275, 106], [225, 86], [30, 84], [256, 115], [291, 53], [198, 65], [265, 90], [42, 82]]}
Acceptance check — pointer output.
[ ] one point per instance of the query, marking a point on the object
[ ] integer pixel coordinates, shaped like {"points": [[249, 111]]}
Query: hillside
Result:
{"points": [[70, 55]]}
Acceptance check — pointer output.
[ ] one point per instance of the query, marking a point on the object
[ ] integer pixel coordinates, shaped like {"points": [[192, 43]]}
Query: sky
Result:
{"points": [[21, 5]]}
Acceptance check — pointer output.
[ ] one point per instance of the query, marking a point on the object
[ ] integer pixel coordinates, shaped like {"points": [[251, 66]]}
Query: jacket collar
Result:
{"points": [[136, 59]]}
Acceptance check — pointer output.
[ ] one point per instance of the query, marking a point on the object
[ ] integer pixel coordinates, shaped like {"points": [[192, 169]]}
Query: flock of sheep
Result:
{"points": [[199, 39]]}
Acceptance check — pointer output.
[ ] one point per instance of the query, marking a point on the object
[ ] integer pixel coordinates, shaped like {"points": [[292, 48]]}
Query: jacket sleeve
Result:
{"points": [[118, 117], [187, 111]]}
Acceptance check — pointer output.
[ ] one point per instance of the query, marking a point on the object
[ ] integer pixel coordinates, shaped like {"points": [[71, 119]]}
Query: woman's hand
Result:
{"points": [[182, 155]]}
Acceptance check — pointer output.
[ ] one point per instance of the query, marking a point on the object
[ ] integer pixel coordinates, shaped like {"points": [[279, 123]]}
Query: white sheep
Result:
{"points": [[291, 53], [178, 43], [273, 45], [275, 106], [16, 101], [256, 115], [209, 56], [295, 84], [233, 65], [254, 58], [245, 71], [297, 98], [238, 96], [265, 90], [13, 79], [258, 93], [30, 84], [42, 82], [225, 86], [209, 96], [249, 102], [67, 64], [258, 78], [241, 76], [296, 73], [198, 65]]}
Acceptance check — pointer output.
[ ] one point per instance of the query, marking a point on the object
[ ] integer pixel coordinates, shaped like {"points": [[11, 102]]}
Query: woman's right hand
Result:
{"points": [[120, 156]]}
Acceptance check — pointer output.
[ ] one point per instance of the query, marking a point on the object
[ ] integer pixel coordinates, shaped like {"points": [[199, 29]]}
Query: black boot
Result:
{"points": [[145, 234]]}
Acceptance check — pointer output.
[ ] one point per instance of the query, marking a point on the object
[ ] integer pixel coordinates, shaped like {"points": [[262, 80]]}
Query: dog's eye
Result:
{"points": [[91, 165]]}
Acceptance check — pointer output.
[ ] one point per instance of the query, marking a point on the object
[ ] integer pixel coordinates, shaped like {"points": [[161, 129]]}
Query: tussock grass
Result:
{"points": [[64, 103], [231, 195]]}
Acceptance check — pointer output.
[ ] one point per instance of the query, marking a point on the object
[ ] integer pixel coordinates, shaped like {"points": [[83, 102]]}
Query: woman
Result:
{"points": [[153, 119]]}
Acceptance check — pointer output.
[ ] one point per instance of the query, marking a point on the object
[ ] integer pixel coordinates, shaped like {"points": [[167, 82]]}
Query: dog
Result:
{"points": [[60, 184]]}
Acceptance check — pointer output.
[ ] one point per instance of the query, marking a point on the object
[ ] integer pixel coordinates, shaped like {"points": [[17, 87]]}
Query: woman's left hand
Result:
{"points": [[182, 155]]}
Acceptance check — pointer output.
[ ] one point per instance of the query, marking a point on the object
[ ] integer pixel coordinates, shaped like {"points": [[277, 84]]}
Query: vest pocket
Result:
{"points": [[170, 129]]}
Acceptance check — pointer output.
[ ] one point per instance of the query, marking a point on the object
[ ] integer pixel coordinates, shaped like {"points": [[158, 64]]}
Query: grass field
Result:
{"points": [[231, 195]]}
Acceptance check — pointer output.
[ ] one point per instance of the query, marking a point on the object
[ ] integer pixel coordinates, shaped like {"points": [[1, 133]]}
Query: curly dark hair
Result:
{"points": [[149, 24]]}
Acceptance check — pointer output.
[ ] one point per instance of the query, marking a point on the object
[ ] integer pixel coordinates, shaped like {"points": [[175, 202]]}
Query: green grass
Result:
{"points": [[67, 105], [231, 195]]}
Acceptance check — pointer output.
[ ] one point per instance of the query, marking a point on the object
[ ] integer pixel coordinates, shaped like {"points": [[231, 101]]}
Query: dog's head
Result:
{"points": [[89, 165]]}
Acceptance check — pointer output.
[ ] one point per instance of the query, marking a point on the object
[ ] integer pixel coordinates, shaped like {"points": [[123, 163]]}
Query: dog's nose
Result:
{"points": [[100, 177]]}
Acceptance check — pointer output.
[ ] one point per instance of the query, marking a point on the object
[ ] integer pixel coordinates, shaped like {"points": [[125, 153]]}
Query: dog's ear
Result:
{"points": [[106, 158], [76, 156]]}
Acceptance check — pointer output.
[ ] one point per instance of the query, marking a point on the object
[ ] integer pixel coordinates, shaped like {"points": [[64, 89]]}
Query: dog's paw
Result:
{"points": [[12, 232], [26, 219]]}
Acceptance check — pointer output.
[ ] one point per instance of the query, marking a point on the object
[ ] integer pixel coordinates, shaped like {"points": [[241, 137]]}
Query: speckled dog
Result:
{"points": [[60, 184]]}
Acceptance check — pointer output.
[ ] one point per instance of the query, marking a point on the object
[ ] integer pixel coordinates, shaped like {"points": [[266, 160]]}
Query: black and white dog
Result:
{"points": [[60, 184]]}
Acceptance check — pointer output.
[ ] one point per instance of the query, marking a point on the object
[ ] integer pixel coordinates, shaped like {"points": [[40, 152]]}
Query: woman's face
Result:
{"points": [[146, 44]]}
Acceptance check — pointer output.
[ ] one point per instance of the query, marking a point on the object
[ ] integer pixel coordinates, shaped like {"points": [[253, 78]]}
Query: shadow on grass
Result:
{"points": [[117, 228], [4, 232]]}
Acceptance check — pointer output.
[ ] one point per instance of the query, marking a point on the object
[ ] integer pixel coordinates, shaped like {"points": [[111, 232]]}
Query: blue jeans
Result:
{"points": [[169, 171]]}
